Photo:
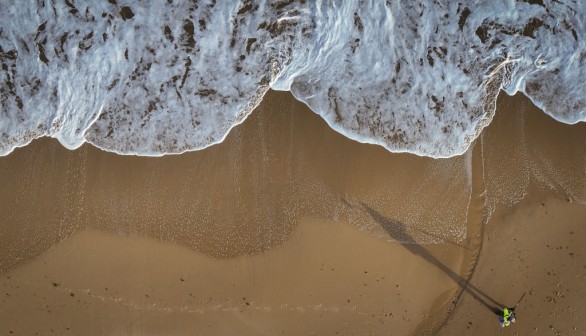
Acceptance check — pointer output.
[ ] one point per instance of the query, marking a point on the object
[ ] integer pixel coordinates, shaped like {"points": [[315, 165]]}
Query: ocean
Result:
{"points": [[166, 77]]}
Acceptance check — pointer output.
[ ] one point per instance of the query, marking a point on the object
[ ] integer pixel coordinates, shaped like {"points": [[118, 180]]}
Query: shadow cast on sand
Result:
{"points": [[398, 231]]}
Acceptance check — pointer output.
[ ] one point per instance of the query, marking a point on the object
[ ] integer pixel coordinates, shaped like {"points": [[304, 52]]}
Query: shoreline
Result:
{"points": [[270, 92]]}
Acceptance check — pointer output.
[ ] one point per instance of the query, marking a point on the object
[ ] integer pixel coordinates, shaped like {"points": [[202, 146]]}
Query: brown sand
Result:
{"points": [[534, 245], [289, 228]]}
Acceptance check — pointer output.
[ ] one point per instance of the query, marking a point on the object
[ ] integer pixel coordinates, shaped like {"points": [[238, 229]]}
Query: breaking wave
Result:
{"points": [[170, 76]]}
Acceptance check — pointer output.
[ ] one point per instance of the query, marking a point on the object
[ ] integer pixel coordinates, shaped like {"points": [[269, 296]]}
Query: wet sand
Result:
{"points": [[534, 238], [285, 228]]}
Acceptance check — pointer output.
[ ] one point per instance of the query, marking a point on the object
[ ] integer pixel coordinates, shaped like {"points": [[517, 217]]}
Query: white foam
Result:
{"points": [[419, 77]]}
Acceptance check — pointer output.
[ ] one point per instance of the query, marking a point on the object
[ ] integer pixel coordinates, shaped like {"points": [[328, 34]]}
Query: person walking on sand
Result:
{"points": [[507, 317]]}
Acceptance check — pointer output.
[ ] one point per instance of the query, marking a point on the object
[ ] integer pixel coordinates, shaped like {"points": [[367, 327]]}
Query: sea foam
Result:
{"points": [[172, 76]]}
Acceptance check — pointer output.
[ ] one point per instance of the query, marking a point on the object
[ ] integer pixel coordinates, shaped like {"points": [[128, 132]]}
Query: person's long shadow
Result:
{"points": [[398, 231]]}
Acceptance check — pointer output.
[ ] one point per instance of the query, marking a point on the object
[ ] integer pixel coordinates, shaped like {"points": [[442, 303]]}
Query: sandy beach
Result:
{"points": [[289, 228]]}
